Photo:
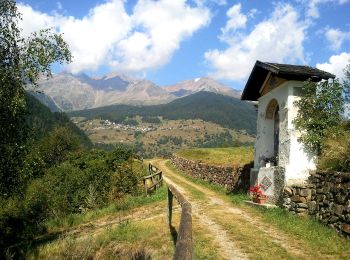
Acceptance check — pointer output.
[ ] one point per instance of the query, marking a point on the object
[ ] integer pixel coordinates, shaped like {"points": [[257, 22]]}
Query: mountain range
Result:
{"points": [[68, 92]]}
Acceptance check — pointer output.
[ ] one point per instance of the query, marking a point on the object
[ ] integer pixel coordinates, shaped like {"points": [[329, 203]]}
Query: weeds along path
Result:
{"points": [[236, 232]]}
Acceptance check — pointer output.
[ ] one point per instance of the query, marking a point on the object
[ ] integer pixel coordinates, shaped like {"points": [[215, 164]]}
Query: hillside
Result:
{"points": [[226, 111], [42, 120], [46, 100]]}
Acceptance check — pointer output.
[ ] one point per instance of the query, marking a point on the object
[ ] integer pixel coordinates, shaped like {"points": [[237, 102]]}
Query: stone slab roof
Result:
{"points": [[286, 71]]}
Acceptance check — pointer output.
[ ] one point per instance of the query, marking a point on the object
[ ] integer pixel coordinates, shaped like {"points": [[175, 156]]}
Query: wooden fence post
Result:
{"points": [[170, 206]]}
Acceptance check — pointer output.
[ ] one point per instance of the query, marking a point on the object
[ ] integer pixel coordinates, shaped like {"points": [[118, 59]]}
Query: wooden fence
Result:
{"points": [[154, 180], [184, 242]]}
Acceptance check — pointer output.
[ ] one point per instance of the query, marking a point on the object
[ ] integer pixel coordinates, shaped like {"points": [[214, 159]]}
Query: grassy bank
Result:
{"points": [[220, 156], [123, 229], [125, 204]]}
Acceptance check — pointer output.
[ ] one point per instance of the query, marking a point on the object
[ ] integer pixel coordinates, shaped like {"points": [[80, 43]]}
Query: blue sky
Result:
{"points": [[167, 41]]}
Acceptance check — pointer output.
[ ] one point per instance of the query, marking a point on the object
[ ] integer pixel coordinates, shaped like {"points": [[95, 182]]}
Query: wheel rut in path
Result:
{"points": [[228, 248]]}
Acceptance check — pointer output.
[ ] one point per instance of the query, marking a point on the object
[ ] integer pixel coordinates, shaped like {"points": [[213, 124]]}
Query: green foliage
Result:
{"points": [[226, 111], [346, 82], [73, 181], [320, 110], [130, 121], [336, 152], [55, 148], [41, 121], [151, 119], [85, 180], [223, 139], [48, 152], [21, 62]]}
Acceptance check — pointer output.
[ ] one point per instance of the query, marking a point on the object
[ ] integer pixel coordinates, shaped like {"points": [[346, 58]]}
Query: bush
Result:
{"points": [[72, 182], [336, 153], [151, 119], [88, 179], [50, 151]]}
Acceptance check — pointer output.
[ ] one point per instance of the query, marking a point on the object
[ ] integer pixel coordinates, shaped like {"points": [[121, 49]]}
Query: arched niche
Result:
{"points": [[271, 109], [272, 120]]}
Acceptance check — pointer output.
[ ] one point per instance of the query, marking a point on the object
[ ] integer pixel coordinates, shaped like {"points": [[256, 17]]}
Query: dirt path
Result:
{"points": [[238, 233]]}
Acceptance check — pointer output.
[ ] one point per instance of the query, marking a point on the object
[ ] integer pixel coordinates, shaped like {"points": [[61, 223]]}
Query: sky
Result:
{"points": [[167, 41]]}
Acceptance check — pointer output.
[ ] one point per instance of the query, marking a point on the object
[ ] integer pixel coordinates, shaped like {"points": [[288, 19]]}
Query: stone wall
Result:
{"points": [[233, 178], [326, 197]]}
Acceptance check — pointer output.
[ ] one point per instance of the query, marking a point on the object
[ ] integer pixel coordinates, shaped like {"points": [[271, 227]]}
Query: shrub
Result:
{"points": [[51, 150], [336, 153]]}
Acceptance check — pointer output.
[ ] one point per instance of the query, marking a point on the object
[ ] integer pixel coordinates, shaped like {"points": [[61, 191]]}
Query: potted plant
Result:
{"points": [[258, 194]]}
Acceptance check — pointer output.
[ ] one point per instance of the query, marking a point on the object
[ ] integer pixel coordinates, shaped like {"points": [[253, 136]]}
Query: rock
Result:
{"points": [[319, 191], [338, 209], [345, 228], [287, 200], [333, 219], [347, 217], [340, 199], [302, 205], [300, 210], [305, 192], [298, 199], [312, 206], [288, 191]]}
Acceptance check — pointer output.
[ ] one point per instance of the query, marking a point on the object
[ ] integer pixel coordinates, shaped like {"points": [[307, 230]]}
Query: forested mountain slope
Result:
{"points": [[226, 111], [42, 120]]}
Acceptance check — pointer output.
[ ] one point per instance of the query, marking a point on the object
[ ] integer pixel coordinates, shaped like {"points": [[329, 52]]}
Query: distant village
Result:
{"points": [[107, 124]]}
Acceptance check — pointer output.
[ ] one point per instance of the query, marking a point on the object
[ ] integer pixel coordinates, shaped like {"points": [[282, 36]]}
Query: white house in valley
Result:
{"points": [[275, 87]]}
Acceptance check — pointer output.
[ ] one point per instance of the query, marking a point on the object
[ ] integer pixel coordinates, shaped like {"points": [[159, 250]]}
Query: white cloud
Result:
{"points": [[336, 64], [277, 39], [34, 21], [237, 20], [204, 2], [165, 24], [143, 40], [59, 5], [336, 37], [313, 6]]}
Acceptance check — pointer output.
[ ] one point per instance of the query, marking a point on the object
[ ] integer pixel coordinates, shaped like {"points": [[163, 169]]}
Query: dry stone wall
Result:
{"points": [[233, 178], [326, 197]]}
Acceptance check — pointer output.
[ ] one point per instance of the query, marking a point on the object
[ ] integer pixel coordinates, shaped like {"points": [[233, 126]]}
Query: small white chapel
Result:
{"points": [[279, 159]]}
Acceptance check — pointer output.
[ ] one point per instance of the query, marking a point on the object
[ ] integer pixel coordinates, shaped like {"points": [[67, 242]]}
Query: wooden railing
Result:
{"points": [[183, 238], [155, 179], [184, 242]]}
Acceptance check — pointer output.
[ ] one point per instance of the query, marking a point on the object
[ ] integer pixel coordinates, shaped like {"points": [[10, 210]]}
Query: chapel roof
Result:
{"points": [[286, 71]]}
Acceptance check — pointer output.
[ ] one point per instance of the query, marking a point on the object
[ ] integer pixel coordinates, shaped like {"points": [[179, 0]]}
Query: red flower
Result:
{"points": [[256, 191]]}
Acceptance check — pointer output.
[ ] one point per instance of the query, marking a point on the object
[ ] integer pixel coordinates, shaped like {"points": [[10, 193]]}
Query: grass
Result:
{"points": [[313, 233], [220, 156], [129, 202], [137, 240]]}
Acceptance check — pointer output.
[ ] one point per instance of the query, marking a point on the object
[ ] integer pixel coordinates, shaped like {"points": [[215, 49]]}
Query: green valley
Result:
{"points": [[203, 119]]}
